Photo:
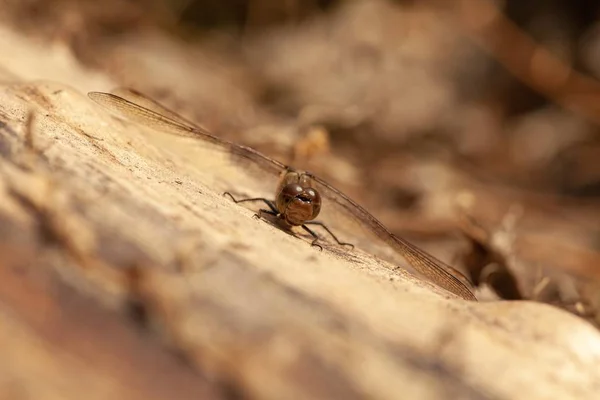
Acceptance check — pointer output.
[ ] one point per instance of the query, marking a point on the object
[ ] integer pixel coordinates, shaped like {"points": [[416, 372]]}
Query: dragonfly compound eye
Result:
{"points": [[298, 204]]}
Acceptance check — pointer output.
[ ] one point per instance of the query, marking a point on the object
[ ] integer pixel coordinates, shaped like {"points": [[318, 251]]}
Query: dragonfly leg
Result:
{"points": [[329, 231], [262, 211], [314, 235], [266, 201]]}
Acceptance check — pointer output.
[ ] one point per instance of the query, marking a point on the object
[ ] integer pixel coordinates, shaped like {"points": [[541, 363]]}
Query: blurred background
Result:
{"points": [[469, 127]]}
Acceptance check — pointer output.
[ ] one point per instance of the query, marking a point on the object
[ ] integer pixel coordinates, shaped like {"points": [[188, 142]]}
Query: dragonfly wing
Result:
{"points": [[140, 109], [346, 216], [141, 99]]}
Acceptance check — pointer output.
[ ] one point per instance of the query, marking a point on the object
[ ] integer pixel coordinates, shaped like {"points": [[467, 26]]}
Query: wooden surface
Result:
{"points": [[125, 274]]}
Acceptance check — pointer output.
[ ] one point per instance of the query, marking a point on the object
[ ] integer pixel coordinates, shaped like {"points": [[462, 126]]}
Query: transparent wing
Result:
{"points": [[158, 117], [140, 99], [339, 212], [342, 214]]}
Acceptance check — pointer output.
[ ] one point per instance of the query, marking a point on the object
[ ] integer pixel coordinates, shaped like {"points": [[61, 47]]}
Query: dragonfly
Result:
{"points": [[300, 196]]}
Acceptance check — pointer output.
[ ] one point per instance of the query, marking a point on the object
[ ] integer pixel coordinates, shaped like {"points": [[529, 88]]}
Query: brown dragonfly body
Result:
{"points": [[297, 203], [299, 196]]}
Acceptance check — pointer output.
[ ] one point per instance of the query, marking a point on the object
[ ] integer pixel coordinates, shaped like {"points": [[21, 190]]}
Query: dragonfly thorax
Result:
{"points": [[298, 204]]}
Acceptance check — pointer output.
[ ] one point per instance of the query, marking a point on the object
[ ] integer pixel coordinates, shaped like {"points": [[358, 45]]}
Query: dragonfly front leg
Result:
{"points": [[314, 235], [271, 211], [328, 231]]}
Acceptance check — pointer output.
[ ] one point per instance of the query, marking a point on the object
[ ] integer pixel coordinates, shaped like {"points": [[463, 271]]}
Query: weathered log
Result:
{"points": [[125, 273]]}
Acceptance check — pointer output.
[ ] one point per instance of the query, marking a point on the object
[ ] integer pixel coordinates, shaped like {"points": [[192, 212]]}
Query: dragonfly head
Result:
{"points": [[298, 204]]}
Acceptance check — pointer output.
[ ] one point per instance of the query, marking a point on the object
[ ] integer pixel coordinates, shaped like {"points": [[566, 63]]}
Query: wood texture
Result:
{"points": [[125, 274]]}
